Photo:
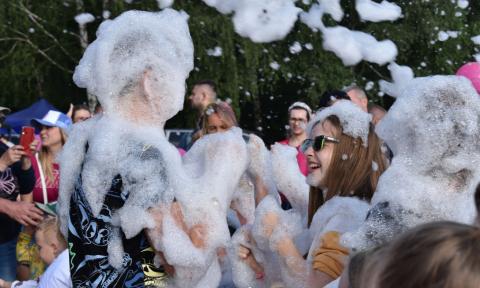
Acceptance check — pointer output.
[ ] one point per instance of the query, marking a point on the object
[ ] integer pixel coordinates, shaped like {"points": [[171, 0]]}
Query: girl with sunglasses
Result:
{"points": [[345, 161]]}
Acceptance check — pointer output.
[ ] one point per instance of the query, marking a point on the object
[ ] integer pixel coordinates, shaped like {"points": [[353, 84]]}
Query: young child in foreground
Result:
{"points": [[53, 251]]}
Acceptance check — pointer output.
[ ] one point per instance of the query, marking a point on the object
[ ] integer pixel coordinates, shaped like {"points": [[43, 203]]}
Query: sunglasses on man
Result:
{"points": [[317, 143]]}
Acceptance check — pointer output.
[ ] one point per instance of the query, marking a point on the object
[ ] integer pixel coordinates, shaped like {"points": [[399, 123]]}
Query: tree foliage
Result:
{"points": [[40, 46]]}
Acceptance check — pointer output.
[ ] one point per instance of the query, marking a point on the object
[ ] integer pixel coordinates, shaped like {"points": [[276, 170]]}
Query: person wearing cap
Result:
{"points": [[299, 114], [52, 127], [53, 134], [16, 177]]}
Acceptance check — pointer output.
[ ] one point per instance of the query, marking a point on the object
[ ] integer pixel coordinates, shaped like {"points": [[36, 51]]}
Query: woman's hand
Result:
{"points": [[34, 147], [12, 155]]}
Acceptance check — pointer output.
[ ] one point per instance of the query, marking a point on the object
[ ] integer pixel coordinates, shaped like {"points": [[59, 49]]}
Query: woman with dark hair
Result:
{"points": [[80, 113]]}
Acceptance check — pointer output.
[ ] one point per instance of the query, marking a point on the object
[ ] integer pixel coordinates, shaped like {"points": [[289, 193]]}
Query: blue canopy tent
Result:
{"points": [[23, 117]]}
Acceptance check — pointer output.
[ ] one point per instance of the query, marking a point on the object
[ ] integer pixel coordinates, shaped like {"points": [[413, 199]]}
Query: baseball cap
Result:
{"points": [[53, 119], [5, 110]]}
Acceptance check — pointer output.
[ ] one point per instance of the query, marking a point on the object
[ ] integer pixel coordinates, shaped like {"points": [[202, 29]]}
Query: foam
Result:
{"points": [[288, 178], [355, 122], [84, 18], [377, 12], [265, 21], [401, 76], [433, 131], [138, 40]]}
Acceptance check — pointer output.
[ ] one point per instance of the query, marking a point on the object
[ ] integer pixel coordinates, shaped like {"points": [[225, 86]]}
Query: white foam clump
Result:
{"points": [[295, 48], [215, 52], [355, 122], [243, 275], [401, 76], [243, 201], [212, 170], [84, 18], [313, 18], [162, 4], [260, 163], [377, 12], [288, 178], [274, 65], [265, 20], [463, 3], [223, 6], [340, 214], [476, 39], [355, 46], [433, 131], [157, 41]]}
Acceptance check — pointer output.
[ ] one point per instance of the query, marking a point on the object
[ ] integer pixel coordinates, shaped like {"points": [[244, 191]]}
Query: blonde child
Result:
{"points": [[53, 251]]}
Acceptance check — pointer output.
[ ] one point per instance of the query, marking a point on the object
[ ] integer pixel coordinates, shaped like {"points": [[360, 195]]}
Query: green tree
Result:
{"points": [[40, 45]]}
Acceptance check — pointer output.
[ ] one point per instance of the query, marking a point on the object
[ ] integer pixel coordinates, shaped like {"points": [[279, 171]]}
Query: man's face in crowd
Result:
{"points": [[197, 96], [297, 121]]}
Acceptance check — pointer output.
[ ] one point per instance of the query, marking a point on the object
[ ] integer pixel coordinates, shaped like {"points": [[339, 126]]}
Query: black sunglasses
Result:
{"points": [[317, 143]]}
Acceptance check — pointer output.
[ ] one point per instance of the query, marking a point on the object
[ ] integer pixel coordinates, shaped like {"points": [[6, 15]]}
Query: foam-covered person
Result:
{"points": [[434, 144], [122, 178], [345, 162], [112, 167]]}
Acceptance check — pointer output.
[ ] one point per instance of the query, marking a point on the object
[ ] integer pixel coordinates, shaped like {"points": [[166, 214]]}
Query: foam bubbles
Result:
{"points": [[139, 41], [355, 122], [265, 21], [377, 12], [433, 131], [84, 18], [401, 75]]}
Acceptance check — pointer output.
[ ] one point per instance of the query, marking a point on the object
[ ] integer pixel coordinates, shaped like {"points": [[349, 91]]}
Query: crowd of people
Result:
{"points": [[105, 201]]}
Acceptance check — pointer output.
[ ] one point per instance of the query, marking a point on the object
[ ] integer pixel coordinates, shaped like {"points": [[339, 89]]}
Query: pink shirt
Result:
{"points": [[52, 186], [301, 158]]}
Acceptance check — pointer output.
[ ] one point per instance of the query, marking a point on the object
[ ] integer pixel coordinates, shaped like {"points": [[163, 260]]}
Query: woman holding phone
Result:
{"points": [[52, 128]]}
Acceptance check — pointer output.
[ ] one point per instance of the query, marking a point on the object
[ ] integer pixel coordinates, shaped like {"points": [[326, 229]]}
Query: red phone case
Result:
{"points": [[28, 135]]}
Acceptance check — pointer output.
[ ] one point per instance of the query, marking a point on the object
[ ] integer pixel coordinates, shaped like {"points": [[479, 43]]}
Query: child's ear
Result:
{"points": [[55, 248]]}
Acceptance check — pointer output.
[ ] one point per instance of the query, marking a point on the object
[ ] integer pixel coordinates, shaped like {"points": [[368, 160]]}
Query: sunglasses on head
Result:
{"points": [[317, 143]]}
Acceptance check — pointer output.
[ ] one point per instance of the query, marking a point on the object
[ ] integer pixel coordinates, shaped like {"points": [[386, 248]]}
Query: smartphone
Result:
{"points": [[27, 137]]}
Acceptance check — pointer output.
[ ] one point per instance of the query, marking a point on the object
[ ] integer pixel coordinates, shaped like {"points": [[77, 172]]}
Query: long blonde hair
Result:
{"points": [[47, 160]]}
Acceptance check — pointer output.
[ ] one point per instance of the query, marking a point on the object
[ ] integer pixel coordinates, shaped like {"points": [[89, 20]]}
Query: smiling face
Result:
{"points": [[319, 161], [51, 136]]}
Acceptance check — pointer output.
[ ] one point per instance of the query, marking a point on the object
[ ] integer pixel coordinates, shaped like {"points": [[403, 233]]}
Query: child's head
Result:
{"points": [[438, 254], [49, 240]]}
